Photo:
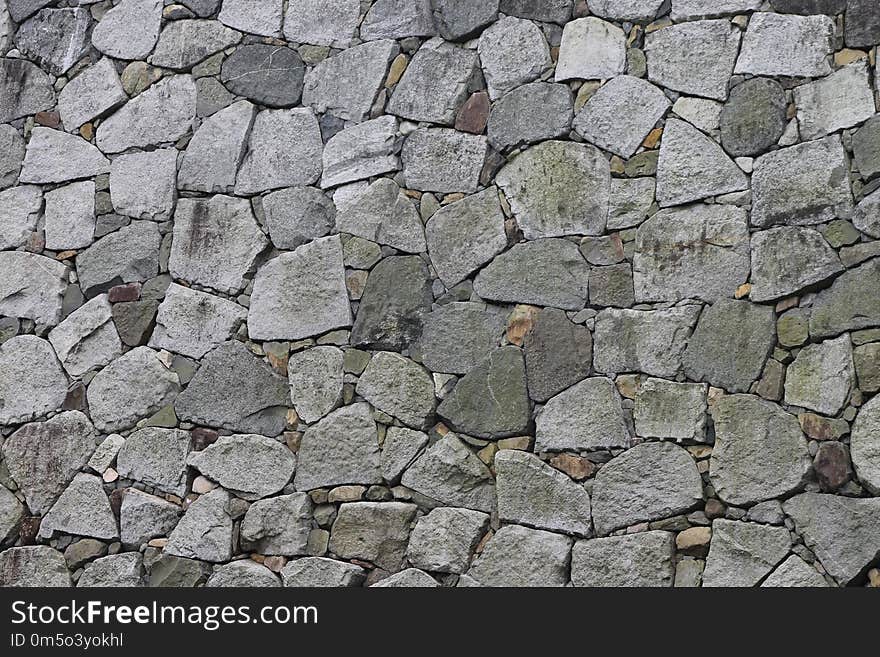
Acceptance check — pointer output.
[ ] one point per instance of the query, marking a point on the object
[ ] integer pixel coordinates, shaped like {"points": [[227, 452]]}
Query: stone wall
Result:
{"points": [[439, 292]]}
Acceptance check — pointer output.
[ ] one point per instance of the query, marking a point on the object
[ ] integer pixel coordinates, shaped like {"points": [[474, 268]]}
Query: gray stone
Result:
{"points": [[692, 167], [690, 9], [451, 474], [612, 286], [620, 114], [244, 572], [760, 452], [702, 113], [783, 44], [865, 445], [143, 517], [518, 556], [31, 286], [639, 11], [53, 156], [457, 336], [300, 294], [809, 7], [667, 410], [399, 387], [251, 466], [322, 24], [586, 416], [652, 342], [822, 376], [279, 525], [591, 49], [383, 214], [754, 117], [143, 185], [69, 216], [675, 52], [11, 512], [550, 11], [731, 344], [842, 100], [558, 188], [444, 540], [43, 457], [135, 320], [558, 354], [373, 531], [12, 151], [866, 216], [205, 530], [106, 452], [129, 30], [211, 161], [531, 113], [183, 44], [322, 572], [399, 450], [32, 382], [24, 89], [862, 24], [33, 566], [639, 560], [512, 52], [443, 160], [284, 151], [171, 571], [90, 94], [19, 212], [316, 377], [409, 578], [82, 510], [794, 572], [156, 457], [398, 19], [55, 38], [459, 19], [742, 554], [211, 97], [268, 75], [342, 448], [261, 17], [87, 338], [298, 215], [787, 260], [849, 304], [129, 255], [361, 151], [236, 391], [698, 252]]}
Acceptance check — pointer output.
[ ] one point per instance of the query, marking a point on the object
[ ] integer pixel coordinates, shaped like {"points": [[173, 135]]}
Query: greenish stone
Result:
{"points": [[359, 253], [643, 164], [863, 337], [355, 361], [851, 303], [165, 418], [793, 328], [867, 361], [782, 355], [841, 233]]}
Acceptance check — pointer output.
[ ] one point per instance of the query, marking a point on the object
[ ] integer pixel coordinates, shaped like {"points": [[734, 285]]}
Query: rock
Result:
{"points": [[865, 446], [459, 19], [24, 89], [135, 321], [234, 390], [591, 49], [129, 30], [822, 376], [457, 336], [444, 540], [12, 151], [821, 108], [347, 84], [243, 573], [531, 113], [843, 532], [279, 525], [205, 530], [808, 260], [409, 578], [142, 185], [730, 345], [131, 254], [754, 117], [451, 474], [70, 216], [32, 382], [53, 157], [443, 160], [474, 114], [183, 44], [794, 572], [639, 11], [156, 457], [360, 152], [318, 571], [760, 452], [399, 387], [612, 286], [520, 557], [315, 377], [676, 51], [43, 457], [550, 11], [668, 410], [690, 9], [849, 303], [392, 309], [558, 354], [831, 465], [254, 16], [512, 52], [55, 38], [212, 158], [373, 531], [315, 22], [783, 44], [342, 448], [251, 466], [19, 212], [647, 482], [742, 554], [801, 185], [399, 450], [90, 94], [652, 342], [82, 510], [87, 339], [11, 512], [866, 359], [862, 24], [866, 216], [398, 19], [31, 286], [284, 151], [637, 560], [693, 167], [586, 416], [298, 215], [33, 566], [384, 214], [268, 75], [465, 235], [143, 517]]}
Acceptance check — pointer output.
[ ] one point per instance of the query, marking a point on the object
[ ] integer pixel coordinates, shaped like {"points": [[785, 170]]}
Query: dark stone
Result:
{"points": [[866, 148], [474, 114], [754, 117], [268, 75], [831, 464], [24, 89], [532, 113], [202, 438], [457, 20], [809, 7], [127, 292], [135, 321], [28, 530], [21, 9], [850, 304], [56, 39], [862, 23], [202, 8], [549, 11], [558, 354], [176, 572], [612, 287], [48, 119], [76, 398]]}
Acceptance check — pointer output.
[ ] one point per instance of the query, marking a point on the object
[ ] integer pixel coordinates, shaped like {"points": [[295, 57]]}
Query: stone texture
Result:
{"points": [[457, 336], [297, 215], [322, 572], [25, 89], [842, 100], [55, 38], [742, 554], [531, 113], [784, 44], [794, 572], [865, 446], [849, 304], [90, 94], [278, 525], [316, 22], [129, 30], [69, 216], [31, 286], [512, 52], [183, 44], [142, 185], [458, 19], [261, 17], [315, 376], [32, 382], [53, 157], [591, 49], [205, 530], [586, 416], [143, 517], [360, 152], [82, 510], [668, 410], [373, 531], [399, 450], [129, 255], [444, 539], [87, 339], [639, 560], [754, 117], [19, 212], [690, 9], [384, 214], [443, 160], [156, 457], [243, 573], [520, 557], [398, 19], [399, 387], [33, 566], [558, 354], [12, 152], [821, 376], [787, 260]]}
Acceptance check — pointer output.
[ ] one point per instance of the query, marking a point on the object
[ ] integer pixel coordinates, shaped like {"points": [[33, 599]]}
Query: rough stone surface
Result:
{"points": [[512, 52], [444, 539], [87, 339], [591, 49], [384, 214], [31, 286], [129, 30], [90, 94], [373, 531], [399, 387], [316, 378], [558, 354], [784, 44], [53, 157], [33, 566], [82, 510], [278, 525], [754, 117], [360, 152], [443, 160], [55, 38], [865, 445], [668, 410], [156, 457], [639, 560], [205, 530], [821, 376], [297, 215], [841, 100], [251, 466], [32, 382], [518, 556], [742, 554], [215, 152], [787, 260], [142, 185], [322, 572], [849, 303], [529, 114]]}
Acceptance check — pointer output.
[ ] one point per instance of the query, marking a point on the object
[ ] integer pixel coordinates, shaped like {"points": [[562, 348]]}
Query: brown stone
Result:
{"points": [[474, 114], [395, 72], [714, 509], [787, 304], [124, 293], [576, 467], [48, 119], [275, 564], [771, 385], [116, 500], [653, 138], [28, 529], [694, 541], [520, 322], [743, 291], [87, 131], [831, 464], [874, 578], [821, 428], [202, 437]]}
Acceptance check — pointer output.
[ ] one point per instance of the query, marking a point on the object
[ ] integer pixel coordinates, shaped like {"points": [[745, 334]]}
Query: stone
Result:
{"points": [[297, 215], [676, 51], [320, 24], [459, 19], [12, 152], [82, 510], [69, 216], [631, 201], [862, 24], [822, 376], [591, 49], [753, 118], [315, 376], [92, 93], [143, 185], [637, 560], [268, 75], [33, 566], [849, 304], [730, 344], [361, 151], [451, 474], [443, 160], [31, 286], [866, 359], [11, 512], [392, 309], [235, 391], [474, 114], [251, 466], [322, 572], [278, 525], [841, 100], [512, 52], [342, 448], [284, 150], [383, 214], [129, 30], [646, 482], [672, 411], [698, 252], [457, 336], [652, 342], [213, 156], [399, 387], [25, 88], [184, 43], [586, 416], [377, 532], [399, 450], [550, 11], [143, 517], [760, 452], [253, 16], [612, 286], [53, 157], [409, 578], [639, 11], [612, 120], [690, 9], [809, 261], [156, 457], [135, 321], [444, 540], [692, 167], [558, 188], [465, 235], [794, 572], [490, 401], [43, 457], [801, 185], [520, 557], [55, 38], [742, 554], [785, 44], [831, 465], [243, 573], [398, 19], [528, 114], [866, 216], [558, 354], [346, 85], [300, 294], [205, 530], [87, 339]]}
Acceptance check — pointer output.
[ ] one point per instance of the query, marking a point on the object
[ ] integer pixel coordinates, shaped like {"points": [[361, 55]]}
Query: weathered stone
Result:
{"points": [[31, 286], [24, 89], [639, 560], [373, 531], [591, 49], [822, 376], [156, 457], [787, 260], [558, 354], [143, 517], [321, 572], [215, 152], [517, 556], [457, 336], [862, 24], [531, 113], [399, 387], [443, 160], [142, 185], [459, 19], [841, 100], [849, 304], [82, 510], [409, 578], [251, 466], [361, 151], [444, 540], [315, 377], [129, 30], [261, 17], [702, 113], [398, 19], [742, 554], [399, 450], [866, 359], [586, 416], [298, 215], [384, 214], [612, 286], [12, 152], [279, 525], [183, 44], [316, 22], [866, 216], [668, 410], [690, 9], [87, 339], [90, 94], [53, 156], [832, 465], [269, 75], [55, 38], [794, 572], [33, 566], [243, 573], [550, 11], [205, 530], [783, 44], [11, 512], [70, 216], [512, 52], [754, 117]]}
